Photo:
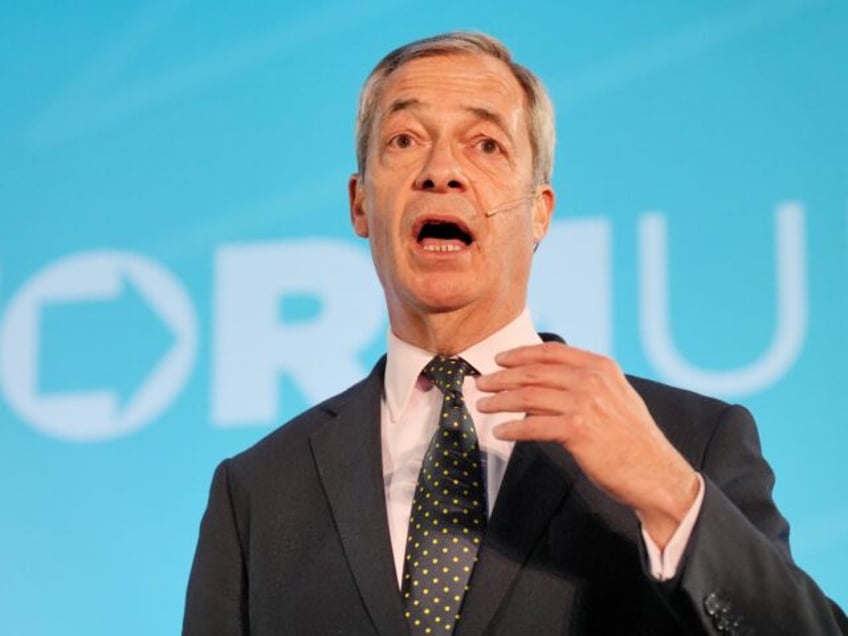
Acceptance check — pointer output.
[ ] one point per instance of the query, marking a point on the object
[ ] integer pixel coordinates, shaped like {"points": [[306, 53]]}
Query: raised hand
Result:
{"points": [[584, 402]]}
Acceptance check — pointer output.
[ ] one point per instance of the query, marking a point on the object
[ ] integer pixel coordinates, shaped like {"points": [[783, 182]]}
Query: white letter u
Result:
{"points": [[791, 301]]}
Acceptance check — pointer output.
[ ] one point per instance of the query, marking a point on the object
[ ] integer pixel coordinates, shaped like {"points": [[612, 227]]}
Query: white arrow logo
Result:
{"points": [[95, 276]]}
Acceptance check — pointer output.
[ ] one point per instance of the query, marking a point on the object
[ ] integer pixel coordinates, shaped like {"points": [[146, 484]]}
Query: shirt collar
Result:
{"points": [[406, 361]]}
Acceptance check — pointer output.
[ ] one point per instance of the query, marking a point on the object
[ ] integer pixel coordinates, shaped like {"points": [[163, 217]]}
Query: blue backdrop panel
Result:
{"points": [[178, 275]]}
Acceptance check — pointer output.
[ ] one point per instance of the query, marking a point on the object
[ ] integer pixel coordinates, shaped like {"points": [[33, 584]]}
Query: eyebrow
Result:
{"points": [[491, 117], [403, 104], [412, 103]]}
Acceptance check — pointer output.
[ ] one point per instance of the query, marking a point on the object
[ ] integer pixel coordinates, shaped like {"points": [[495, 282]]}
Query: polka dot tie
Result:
{"points": [[448, 511]]}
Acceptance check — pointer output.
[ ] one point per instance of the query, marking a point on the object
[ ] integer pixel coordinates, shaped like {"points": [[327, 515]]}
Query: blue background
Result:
{"points": [[190, 150]]}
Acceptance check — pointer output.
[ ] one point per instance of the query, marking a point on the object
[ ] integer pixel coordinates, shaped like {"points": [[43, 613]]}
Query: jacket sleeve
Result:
{"points": [[738, 576], [216, 599]]}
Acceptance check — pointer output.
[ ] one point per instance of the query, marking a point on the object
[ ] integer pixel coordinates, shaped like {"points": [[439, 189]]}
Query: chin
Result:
{"points": [[443, 296]]}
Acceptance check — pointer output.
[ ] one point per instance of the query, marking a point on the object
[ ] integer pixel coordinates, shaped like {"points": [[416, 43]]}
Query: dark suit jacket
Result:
{"points": [[295, 539]]}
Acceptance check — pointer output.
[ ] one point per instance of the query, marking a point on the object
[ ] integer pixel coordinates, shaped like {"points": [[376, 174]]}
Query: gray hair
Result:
{"points": [[539, 111]]}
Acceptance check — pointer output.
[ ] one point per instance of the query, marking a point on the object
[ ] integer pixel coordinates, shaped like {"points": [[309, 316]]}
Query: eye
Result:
{"points": [[489, 146], [402, 140]]}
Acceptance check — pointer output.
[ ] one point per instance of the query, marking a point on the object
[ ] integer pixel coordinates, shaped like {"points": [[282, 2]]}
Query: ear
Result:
{"points": [[356, 198], [543, 209]]}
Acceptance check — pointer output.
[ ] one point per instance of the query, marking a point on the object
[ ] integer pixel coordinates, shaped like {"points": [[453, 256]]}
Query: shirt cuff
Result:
{"points": [[665, 563]]}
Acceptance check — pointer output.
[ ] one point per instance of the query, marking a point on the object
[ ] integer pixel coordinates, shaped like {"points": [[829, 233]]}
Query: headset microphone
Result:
{"points": [[510, 205]]}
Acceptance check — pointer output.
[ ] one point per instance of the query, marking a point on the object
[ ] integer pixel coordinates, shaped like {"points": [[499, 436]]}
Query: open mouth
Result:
{"points": [[443, 236]]}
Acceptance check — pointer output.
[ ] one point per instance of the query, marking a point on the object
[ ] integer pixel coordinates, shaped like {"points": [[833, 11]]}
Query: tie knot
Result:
{"points": [[448, 373]]}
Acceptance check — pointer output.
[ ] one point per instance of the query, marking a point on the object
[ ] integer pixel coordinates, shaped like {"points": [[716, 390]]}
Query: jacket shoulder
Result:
{"points": [[689, 419], [660, 396]]}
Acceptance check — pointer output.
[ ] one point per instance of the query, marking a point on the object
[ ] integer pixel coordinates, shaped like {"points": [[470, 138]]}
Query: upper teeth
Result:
{"points": [[449, 247]]}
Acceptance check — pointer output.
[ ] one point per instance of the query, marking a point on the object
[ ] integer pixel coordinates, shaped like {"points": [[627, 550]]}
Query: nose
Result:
{"points": [[441, 171]]}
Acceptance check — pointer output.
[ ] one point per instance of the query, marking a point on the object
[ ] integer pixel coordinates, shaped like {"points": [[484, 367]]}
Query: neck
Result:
{"points": [[449, 333]]}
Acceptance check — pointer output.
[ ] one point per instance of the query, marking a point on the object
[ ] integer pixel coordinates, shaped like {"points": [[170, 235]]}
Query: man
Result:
{"points": [[588, 502]]}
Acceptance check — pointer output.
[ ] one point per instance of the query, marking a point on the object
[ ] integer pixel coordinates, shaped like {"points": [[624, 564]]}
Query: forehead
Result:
{"points": [[465, 81]]}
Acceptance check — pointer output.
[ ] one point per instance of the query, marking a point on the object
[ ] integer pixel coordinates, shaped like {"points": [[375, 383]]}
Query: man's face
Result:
{"points": [[448, 148]]}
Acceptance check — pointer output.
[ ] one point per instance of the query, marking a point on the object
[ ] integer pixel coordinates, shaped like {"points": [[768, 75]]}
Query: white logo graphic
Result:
{"points": [[791, 323], [253, 347], [95, 276]]}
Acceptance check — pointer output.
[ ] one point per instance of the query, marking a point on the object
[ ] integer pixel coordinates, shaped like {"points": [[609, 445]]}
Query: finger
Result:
{"points": [[527, 399], [537, 428], [545, 375], [548, 353]]}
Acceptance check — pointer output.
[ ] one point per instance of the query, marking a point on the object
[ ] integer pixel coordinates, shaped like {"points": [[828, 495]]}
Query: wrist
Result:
{"points": [[661, 517]]}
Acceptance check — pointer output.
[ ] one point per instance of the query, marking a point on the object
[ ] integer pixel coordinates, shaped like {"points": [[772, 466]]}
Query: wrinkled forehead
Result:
{"points": [[475, 83]]}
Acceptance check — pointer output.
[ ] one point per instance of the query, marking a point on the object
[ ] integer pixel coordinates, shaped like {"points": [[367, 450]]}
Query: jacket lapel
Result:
{"points": [[538, 479], [347, 453]]}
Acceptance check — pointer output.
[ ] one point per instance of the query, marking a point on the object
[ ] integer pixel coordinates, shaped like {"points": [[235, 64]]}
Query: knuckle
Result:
{"points": [[527, 395], [607, 365], [550, 351], [533, 374], [583, 403], [594, 402], [578, 423], [594, 380]]}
